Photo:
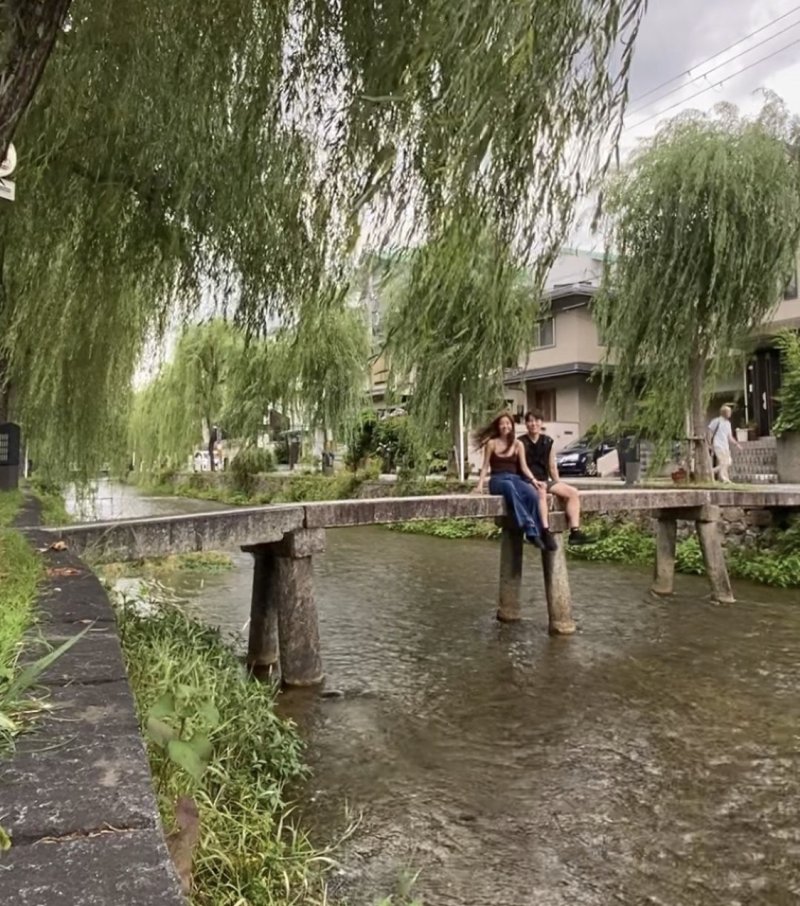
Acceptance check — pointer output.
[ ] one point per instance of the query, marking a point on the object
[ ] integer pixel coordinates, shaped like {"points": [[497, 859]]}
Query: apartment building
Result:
{"points": [[557, 375]]}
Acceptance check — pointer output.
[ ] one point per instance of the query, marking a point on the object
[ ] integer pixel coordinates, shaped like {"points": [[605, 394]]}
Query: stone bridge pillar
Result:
{"points": [[706, 520], [556, 579], [283, 617]]}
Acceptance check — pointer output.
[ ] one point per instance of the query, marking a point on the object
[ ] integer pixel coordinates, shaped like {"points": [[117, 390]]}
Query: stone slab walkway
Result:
{"points": [[77, 797]]}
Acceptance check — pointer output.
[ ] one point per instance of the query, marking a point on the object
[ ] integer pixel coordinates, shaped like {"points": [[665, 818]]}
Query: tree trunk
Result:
{"points": [[34, 26], [211, 444], [702, 459]]}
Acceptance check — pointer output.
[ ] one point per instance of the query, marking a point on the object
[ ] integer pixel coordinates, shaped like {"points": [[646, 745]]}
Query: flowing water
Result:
{"points": [[650, 759]]}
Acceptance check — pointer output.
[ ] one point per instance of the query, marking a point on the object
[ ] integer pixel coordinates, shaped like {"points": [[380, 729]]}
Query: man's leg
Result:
{"points": [[724, 466], [572, 503], [572, 508]]}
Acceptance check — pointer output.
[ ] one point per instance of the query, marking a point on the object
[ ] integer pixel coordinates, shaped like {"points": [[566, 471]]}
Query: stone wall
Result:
{"points": [[739, 526], [756, 462]]}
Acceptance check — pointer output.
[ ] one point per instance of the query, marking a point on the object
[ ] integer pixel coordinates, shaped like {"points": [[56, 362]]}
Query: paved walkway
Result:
{"points": [[77, 796]]}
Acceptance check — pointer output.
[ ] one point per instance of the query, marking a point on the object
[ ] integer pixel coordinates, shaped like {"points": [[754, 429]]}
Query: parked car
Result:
{"points": [[580, 457]]}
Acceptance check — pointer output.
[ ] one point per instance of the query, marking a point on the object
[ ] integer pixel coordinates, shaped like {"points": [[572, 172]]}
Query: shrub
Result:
{"points": [[247, 464]]}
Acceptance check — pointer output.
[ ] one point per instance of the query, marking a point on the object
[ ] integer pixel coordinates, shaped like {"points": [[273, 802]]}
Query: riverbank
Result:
{"points": [[289, 487], [20, 572], [212, 734], [772, 558]]}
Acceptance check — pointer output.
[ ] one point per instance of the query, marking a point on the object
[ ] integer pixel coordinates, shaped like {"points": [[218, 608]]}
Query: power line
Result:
{"points": [[708, 72], [713, 56], [715, 85]]}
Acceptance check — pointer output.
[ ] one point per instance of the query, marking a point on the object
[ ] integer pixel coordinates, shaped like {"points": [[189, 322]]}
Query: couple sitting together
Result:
{"points": [[524, 472]]}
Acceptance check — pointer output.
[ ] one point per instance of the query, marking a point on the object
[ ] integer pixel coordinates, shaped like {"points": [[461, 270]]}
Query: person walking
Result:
{"points": [[510, 477], [720, 437], [541, 460]]}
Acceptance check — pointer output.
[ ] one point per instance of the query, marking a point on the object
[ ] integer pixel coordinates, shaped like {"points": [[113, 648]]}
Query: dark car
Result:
{"points": [[580, 457]]}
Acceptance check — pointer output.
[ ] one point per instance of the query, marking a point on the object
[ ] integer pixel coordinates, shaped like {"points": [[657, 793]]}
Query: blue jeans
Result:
{"points": [[521, 499]]}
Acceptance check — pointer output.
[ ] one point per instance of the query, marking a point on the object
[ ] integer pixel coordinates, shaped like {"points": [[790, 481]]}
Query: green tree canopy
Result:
{"points": [[704, 226], [243, 149]]}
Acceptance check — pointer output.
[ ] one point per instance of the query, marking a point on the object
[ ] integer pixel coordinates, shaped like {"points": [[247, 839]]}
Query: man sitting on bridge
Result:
{"points": [[541, 460]]}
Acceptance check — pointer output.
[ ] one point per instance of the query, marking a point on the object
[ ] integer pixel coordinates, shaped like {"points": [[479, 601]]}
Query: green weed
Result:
{"points": [[244, 758]]}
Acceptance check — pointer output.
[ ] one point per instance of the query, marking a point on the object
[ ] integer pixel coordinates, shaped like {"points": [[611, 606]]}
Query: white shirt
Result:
{"points": [[720, 429]]}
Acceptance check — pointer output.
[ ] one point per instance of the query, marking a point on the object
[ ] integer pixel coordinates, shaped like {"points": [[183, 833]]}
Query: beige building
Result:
{"points": [[559, 375]]}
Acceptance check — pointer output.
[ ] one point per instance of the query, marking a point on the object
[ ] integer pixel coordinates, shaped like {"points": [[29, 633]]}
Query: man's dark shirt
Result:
{"points": [[537, 455]]}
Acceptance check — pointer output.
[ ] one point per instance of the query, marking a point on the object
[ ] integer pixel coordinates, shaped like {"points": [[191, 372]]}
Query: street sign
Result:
{"points": [[8, 189], [8, 165]]}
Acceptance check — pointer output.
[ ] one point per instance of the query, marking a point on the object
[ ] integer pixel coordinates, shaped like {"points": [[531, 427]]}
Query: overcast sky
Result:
{"points": [[675, 39]]}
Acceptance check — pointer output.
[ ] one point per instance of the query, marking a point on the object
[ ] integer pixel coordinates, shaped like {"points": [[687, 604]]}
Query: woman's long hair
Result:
{"points": [[492, 431]]}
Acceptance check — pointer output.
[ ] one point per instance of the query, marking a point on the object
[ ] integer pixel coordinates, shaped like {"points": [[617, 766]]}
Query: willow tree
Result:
{"points": [[704, 224], [186, 400], [450, 333], [252, 147]]}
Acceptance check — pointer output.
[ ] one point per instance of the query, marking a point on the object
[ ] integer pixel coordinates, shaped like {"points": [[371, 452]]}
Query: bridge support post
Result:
{"points": [[666, 540], [556, 587], [262, 644], [298, 626], [509, 608], [714, 558], [283, 619]]}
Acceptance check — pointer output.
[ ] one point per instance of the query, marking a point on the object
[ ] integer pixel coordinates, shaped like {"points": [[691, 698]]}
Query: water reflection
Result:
{"points": [[105, 499]]}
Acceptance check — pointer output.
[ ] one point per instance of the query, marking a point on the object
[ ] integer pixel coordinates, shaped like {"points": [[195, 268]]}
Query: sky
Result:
{"points": [[675, 39]]}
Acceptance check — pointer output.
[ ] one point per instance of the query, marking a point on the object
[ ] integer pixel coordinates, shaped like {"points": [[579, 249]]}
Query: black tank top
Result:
{"points": [[537, 455], [508, 463]]}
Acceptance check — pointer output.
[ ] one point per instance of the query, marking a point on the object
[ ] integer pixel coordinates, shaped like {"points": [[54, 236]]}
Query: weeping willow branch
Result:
{"points": [[704, 227], [245, 151]]}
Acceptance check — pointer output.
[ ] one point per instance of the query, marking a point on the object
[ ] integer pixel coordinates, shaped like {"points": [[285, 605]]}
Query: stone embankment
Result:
{"points": [[76, 797]]}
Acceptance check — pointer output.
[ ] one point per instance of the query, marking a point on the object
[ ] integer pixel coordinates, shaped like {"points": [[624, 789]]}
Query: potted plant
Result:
{"points": [[787, 426]]}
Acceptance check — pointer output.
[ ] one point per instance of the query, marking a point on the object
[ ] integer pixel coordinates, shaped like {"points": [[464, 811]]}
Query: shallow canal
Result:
{"points": [[650, 759]]}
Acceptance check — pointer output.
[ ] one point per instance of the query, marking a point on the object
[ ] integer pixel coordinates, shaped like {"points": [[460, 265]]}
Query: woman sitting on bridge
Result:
{"points": [[504, 457]]}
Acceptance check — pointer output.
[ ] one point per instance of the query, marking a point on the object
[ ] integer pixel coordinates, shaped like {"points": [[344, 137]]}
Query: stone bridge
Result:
{"points": [[283, 539]]}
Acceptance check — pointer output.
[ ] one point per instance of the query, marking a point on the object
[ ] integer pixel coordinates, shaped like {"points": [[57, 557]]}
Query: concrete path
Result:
{"points": [[77, 796]]}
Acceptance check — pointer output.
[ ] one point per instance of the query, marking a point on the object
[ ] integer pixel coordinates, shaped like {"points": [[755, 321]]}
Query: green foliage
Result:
{"points": [[188, 395], [617, 543], [452, 331], [19, 574], [247, 464], [244, 759], [241, 152], [51, 499], [399, 443], [179, 723], [789, 418], [704, 226], [167, 567], [449, 528], [10, 504]]}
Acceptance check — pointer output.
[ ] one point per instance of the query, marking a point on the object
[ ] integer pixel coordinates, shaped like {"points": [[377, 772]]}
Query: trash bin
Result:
{"points": [[327, 463], [633, 462]]}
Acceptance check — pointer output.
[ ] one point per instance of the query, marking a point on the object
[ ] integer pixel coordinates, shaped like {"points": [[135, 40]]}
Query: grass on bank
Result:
{"points": [[249, 851], [285, 487], [165, 567], [774, 561], [20, 571]]}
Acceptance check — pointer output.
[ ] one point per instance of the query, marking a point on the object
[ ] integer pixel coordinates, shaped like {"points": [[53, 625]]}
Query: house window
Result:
{"points": [[791, 287], [545, 333], [545, 400]]}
